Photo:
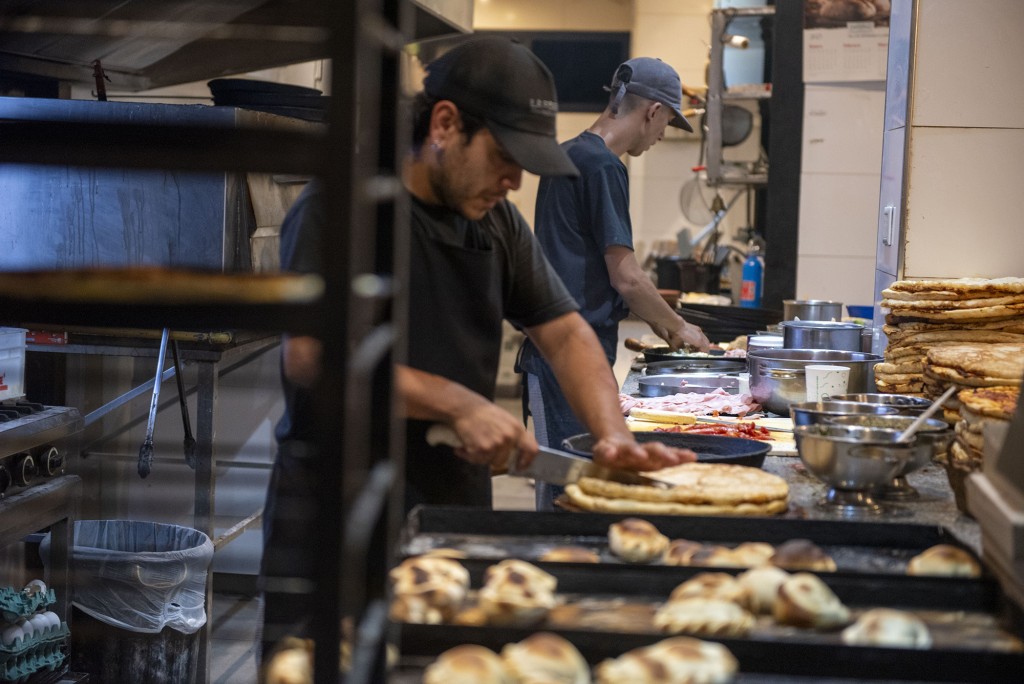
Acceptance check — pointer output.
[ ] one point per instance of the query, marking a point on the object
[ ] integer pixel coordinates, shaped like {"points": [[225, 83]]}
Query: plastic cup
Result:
{"points": [[825, 381]]}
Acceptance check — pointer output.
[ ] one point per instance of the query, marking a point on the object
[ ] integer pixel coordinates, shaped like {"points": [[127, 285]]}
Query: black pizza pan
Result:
{"points": [[709, 448]]}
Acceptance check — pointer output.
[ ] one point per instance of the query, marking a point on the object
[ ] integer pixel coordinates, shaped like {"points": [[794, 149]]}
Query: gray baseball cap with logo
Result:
{"points": [[653, 79], [509, 87]]}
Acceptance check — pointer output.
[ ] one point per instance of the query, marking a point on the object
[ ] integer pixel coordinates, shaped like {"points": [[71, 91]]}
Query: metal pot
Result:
{"points": [[778, 377], [814, 412], [821, 335], [906, 404], [761, 342], [811, 310]]}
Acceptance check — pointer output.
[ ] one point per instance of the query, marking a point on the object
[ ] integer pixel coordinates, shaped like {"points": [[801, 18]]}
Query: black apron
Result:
{"points": [[455, 328]]}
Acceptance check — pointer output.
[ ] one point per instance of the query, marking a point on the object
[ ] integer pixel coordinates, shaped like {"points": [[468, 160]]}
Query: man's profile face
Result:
{"points": [[475, 175], [652, 132]]}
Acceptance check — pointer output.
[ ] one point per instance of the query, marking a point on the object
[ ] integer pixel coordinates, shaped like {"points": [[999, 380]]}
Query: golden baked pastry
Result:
{"points": [[707, 616], [678, 660], [290, 663], [608, 505], [467, 664], [944, 560], [680, 551], [888, 627], [545, 658], [718, 585], [994, 402], [516, 593], [802, 554], [762, 587], [804, 600], [636, 540], [699, 483], [428, 590]]}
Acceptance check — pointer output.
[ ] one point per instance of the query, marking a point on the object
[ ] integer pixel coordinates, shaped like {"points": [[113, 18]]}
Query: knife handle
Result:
{"points": [[440, 434]]}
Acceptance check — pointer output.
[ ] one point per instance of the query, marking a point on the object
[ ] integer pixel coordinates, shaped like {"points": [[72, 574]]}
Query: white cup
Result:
{"points": [[826, 381]]}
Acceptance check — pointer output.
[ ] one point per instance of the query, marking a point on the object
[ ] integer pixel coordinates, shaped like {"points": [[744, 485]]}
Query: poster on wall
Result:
{"points": [[845, 40]]}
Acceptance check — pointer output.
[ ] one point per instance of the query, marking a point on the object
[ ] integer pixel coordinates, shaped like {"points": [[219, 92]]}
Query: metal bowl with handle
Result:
{"points": [[815, 412], [778, 376], [908, 405]]}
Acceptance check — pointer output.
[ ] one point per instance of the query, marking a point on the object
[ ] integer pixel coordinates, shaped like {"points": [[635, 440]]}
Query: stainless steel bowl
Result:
{"points": [[811, 310], [935, 436], [907, 405], [815, 412], [822, 335], [674, 383], [852, 457], [778, 377]]}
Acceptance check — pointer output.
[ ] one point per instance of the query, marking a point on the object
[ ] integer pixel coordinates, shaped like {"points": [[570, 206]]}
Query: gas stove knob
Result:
{"points": [[52, 462], [5, 478], [25, 470]]}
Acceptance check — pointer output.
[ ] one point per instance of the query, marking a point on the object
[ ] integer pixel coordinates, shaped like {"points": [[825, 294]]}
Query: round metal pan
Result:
{"points": [[700, 383], [709, 448], [666, 353], [696, 364]]}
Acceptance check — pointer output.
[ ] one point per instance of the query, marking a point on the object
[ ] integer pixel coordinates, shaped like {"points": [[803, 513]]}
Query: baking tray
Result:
{"points": [[872, 548], [969, 618], [709, 448]]}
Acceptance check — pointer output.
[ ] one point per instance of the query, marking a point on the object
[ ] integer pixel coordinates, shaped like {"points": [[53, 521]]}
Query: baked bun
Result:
{"points": [[545, 658], [428, 590], [636, 541], [805, 601], [802, 554], [762, 587], [444, 552], [680, 551], [888, 627], [517, 593], [679, 660], [713, 556], [752, 554], [467, 664], [291, 662], [944, 560], [718, 585], [570, 554], [707, 616]]}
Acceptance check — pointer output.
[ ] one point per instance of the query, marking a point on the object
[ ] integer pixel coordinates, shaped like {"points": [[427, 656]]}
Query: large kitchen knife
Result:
{"points": [[551, 465]]}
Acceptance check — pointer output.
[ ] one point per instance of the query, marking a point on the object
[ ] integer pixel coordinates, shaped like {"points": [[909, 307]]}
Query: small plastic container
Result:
{"points": [[12, 363]]}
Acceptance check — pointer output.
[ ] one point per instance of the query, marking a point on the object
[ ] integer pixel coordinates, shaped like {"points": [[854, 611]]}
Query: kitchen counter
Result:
{"points": [[935, 504]]}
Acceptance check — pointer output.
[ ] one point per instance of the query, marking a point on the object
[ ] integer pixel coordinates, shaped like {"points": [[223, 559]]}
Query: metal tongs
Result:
{"points": [[146, 450]]}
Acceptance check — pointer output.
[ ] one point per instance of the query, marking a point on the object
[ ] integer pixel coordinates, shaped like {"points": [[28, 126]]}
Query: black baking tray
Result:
{"points": [[808, 654]]}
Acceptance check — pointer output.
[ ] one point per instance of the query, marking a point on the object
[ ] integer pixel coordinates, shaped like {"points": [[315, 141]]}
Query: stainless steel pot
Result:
{"points": [[811, 310], [908, 405], [814, 412], [821, 335], [778, 377]]}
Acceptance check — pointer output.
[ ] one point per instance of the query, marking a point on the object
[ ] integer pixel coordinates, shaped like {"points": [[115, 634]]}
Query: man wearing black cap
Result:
{"points": [[584, 228], [486, 113]]}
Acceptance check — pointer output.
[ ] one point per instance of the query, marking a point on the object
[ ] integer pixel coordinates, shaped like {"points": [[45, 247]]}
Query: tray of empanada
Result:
{"points": [[693, 541], [771, 621]]}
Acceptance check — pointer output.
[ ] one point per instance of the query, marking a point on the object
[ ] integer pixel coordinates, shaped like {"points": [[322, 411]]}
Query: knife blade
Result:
{"points": [[551, 465]]}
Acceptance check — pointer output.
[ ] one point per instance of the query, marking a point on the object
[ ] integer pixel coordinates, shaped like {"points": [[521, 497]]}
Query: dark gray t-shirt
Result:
{"points": [[578, 219]]}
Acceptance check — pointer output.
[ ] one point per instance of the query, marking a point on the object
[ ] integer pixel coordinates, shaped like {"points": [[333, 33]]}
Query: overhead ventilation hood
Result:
{"points": [[144, 45]]}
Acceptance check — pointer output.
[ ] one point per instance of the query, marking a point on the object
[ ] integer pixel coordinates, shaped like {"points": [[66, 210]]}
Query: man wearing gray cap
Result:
{"points": [[584, 228]]}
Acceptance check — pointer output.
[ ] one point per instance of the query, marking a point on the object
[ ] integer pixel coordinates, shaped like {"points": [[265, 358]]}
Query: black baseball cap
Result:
{"points": [[655, 80], [509, 87]]}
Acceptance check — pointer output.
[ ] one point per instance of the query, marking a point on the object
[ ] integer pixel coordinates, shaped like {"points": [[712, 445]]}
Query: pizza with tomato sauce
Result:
{"points": [[741, 429]]}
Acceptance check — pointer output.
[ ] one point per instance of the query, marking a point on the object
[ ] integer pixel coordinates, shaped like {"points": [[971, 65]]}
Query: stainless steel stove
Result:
{"points": [[35, 442]]}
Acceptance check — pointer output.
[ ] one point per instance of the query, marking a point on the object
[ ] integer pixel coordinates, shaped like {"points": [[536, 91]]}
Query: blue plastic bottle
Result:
{"points": [[752, 284]]}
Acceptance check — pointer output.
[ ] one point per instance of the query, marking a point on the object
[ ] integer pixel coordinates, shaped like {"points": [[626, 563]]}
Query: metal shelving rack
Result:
{"points": [[718, 95], [359, 497]]}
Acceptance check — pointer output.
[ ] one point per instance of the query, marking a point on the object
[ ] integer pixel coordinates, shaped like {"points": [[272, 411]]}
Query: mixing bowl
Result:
{"points": [[812, 412], [908, 405], [778, 377], [853, 461]]}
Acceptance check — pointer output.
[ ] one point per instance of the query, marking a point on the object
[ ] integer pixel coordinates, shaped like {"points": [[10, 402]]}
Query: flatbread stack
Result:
{"points": [[970, 366], [700, 489], [978, 407], [929, 314]]}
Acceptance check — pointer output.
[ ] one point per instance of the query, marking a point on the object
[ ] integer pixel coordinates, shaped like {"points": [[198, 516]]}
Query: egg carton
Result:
{"points": [[38, 631], [19, 603], [47, 656]]}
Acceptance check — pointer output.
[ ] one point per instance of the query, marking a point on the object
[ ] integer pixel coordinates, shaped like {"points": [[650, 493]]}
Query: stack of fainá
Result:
{"points": [[979, 406], [699, 489], [936, 314]]}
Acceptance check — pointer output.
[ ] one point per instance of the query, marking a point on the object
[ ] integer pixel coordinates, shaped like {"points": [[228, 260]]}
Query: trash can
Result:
{"points": [[139, 599]]}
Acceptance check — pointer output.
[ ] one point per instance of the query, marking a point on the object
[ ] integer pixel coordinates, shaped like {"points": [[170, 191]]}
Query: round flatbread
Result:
{"points": [[888, 368], [698, 483], [995, 402], [979, 362], [961, 287], [602, 504]]}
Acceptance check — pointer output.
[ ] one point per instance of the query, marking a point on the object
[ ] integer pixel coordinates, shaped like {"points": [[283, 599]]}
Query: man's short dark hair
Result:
{"points": [[422, 107]]}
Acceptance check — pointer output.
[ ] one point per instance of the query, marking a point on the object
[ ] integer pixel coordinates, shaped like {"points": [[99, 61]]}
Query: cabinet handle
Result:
{"points": [[890, 215]]}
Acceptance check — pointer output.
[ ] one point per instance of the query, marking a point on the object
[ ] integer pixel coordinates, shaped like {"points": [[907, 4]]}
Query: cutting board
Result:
{"points": [[782, 443]]}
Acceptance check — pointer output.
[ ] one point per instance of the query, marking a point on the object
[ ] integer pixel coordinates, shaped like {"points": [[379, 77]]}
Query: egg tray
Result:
{"points": [[18, 603], [47, 654]]}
